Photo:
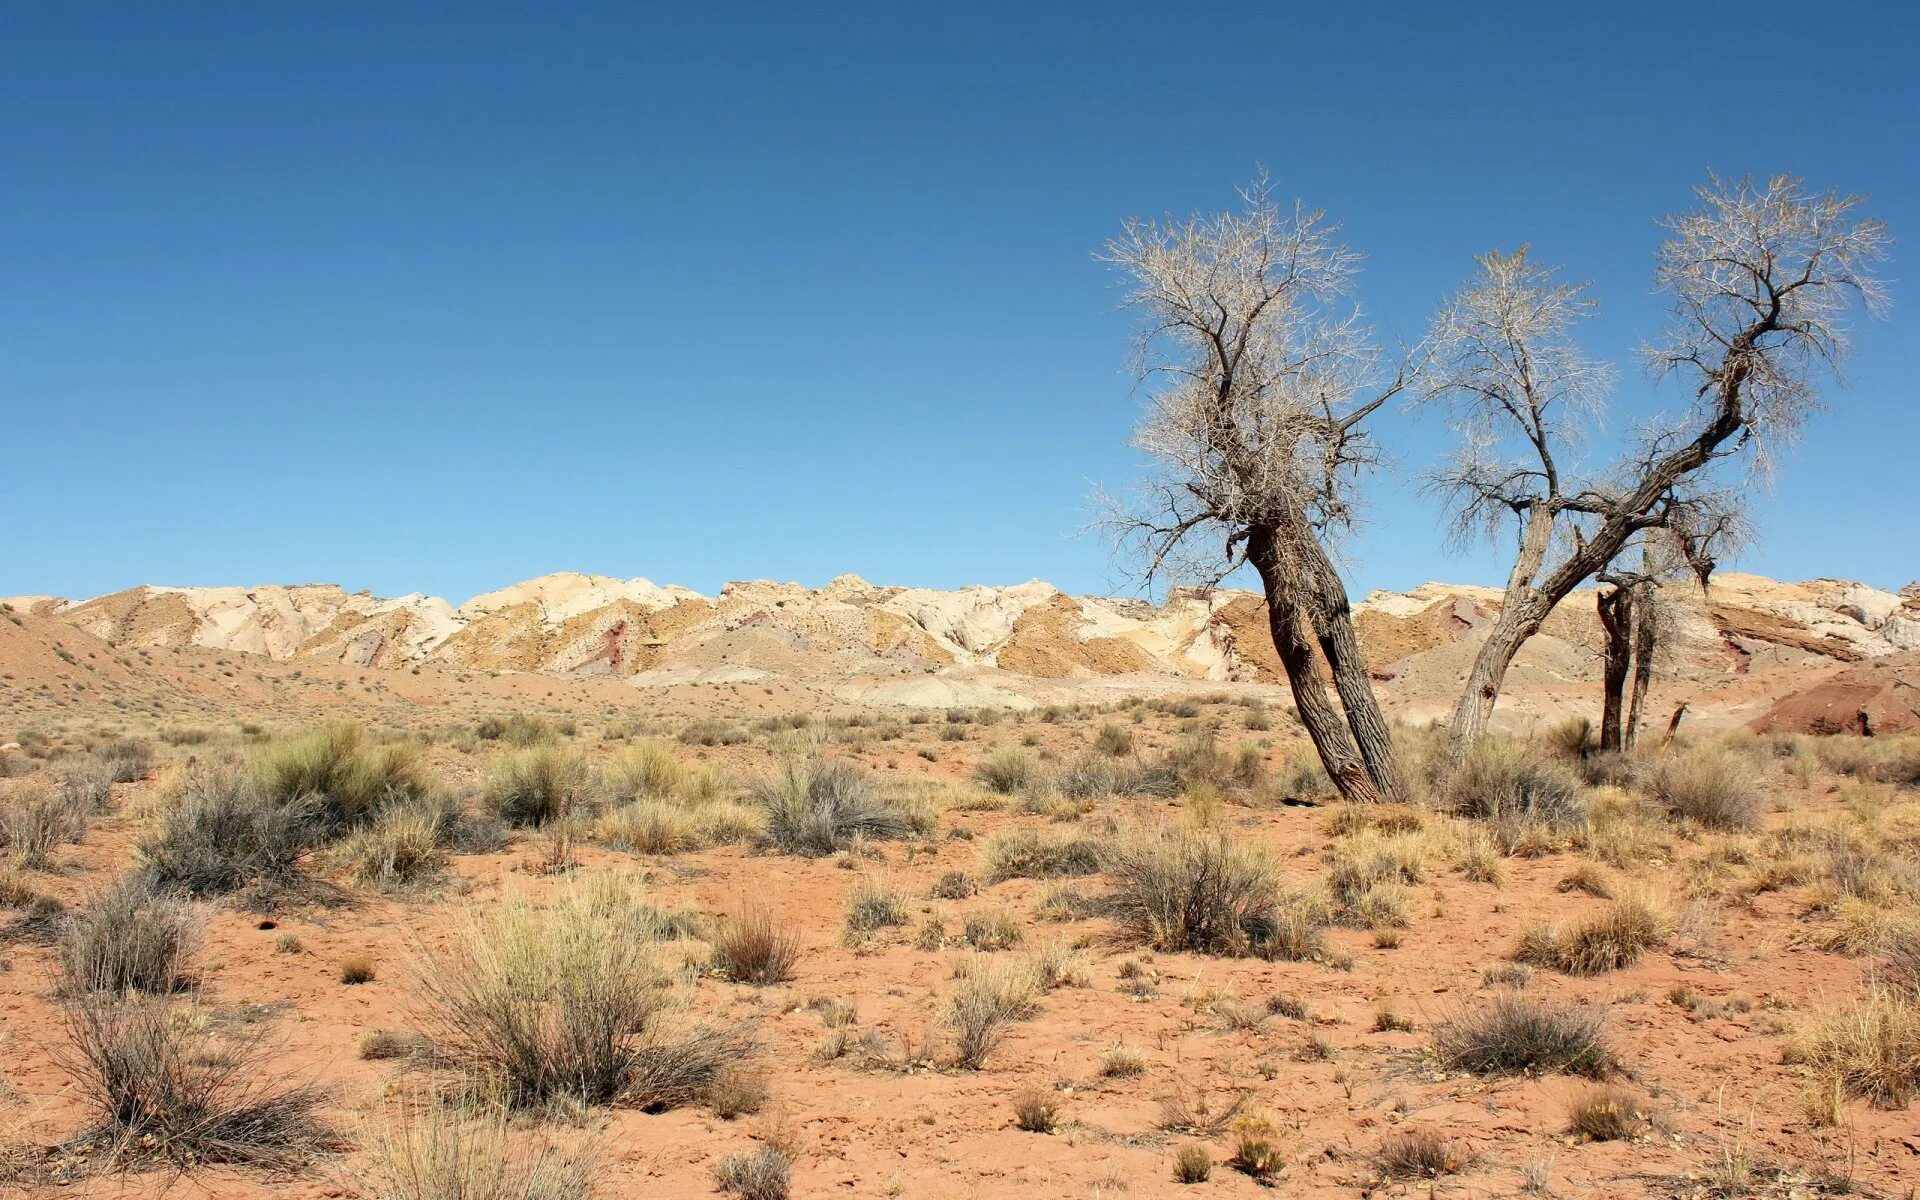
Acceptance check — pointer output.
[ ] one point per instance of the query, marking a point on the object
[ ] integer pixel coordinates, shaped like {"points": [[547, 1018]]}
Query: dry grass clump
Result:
{"points": [[1868, 1048], [129, 939], [1419, 1154], [39, 820], [1007, 770], [400, 848], [1192, 1163], [1257, 1146], [163, 1090], [1711, 786], [1179, 889], [1035, 1110], [1368, 871], [356, 969], [1514, 1033], [763, 1174], [1029, 854], [645, 770], [1607, 941], [567, 1003], [992, 995], [529, 788], [873, 904], [1605, 1112], [1522, 792], [1122, 1062], [428, 1150], [817, 807], [346, 779], [756, 948], [229, 831]]}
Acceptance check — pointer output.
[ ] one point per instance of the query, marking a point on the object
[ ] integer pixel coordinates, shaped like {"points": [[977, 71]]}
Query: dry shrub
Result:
{"points": [[401, 848], [229, 831], [756, 948], [532, 787], [567, 1003], [426, 1150], [128, 939], [1521, 792], [1192, 1163], [652, 827], [1029, 854], [161, 1090], [1258, 1146], [1007, 770], [817, 807], [1419, 1154], [645, 770], [356, 969], [1177, 889], [1035, 1110], [1709, 785], [991, 996], [872, 904], [761, 1175], [1514, 1033], [992, 929], [345, 779], [38, 821], [1870, 1047], [1607, 941], [1606, 1112]]}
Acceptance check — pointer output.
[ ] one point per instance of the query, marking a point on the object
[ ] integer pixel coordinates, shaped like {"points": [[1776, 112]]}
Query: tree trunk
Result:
{"points": [[1646, 634], [1331, 614], [1324, 724], [1617, 622], [1519, 620]]}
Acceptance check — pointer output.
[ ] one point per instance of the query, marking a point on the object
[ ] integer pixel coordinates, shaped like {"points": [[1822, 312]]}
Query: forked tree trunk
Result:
{"points": [[1324, 724], [1331, 614], [1616, 622]]}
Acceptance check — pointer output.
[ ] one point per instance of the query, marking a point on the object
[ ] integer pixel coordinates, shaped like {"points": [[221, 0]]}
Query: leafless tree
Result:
{"points": [[1634, 612], [1761, 281], [1261, 373]]}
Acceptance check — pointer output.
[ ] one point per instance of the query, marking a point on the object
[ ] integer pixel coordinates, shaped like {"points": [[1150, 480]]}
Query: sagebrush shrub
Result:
{"points": [[1179, 889], [567, 1002], [129, 939], [163, 1089], [425, 1149], [1029, 854], [1514, 1033], [229, 831], [817, 807], [1710, 785], [756, 948], [533, 786]]}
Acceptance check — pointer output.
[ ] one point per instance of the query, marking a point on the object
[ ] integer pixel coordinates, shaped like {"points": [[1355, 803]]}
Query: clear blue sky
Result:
{"points": [[438, 297]]}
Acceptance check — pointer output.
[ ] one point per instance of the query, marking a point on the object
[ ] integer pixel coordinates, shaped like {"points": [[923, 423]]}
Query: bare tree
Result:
{"points": [[1761, 281], [1261, 374], [1634, 613]]}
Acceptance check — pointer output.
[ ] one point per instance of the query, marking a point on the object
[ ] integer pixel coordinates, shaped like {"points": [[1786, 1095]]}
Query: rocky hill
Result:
{"points": [[1745, 644]]}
